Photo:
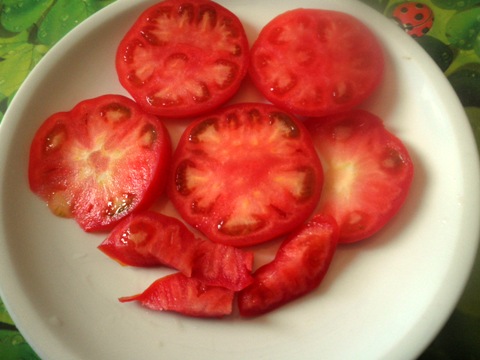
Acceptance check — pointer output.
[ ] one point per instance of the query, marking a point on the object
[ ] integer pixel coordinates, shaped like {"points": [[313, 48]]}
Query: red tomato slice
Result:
{"points": [[100, 161], [316, 62], [245, 174], [151, 239], [182, 58], [188, 296], [368, 172], [298, 268]]}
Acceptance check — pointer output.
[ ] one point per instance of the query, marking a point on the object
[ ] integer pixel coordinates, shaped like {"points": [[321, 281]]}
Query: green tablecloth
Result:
{"points": [[29, 28]]}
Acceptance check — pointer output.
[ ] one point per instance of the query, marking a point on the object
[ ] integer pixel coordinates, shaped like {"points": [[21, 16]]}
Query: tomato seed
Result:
{"points": [[148, 135], [393, 161], [115, 112], [342, 92], [224, 72], [59, 205], [55, 138], [290, 129], [186, 14], [207, 17], [200, 91], [119, 204]]}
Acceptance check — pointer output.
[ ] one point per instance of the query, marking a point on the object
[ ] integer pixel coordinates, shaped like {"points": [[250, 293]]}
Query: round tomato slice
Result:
{"points": [[100, 161], [245, 174], [316, 62], [368, 172], [182, 57]]}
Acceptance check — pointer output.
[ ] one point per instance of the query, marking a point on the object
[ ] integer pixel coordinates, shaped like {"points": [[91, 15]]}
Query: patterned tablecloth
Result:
{"points": [[449, 30]]}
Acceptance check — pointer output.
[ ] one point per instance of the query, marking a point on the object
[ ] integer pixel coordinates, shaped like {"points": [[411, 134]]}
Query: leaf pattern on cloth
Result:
{"points": [[28, 29]]}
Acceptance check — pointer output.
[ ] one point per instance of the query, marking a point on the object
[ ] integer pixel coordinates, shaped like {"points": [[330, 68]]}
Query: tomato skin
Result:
{"points": [[368, 172], [188, 296], [245, 174], [100, 161], [315, 62], [298, 268], [183, 58]]}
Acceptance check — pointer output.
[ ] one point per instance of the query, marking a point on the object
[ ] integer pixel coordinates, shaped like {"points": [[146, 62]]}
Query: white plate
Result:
{"points": [[385, 298]]}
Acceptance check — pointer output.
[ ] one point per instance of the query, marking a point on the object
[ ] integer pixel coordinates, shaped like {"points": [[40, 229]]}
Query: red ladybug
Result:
{"points": [[414, 17]]}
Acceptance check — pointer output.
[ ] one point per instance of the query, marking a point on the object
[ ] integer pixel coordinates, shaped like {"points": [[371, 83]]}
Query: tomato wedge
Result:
{"points": [[298, 268], [149, 238], [368, 172], [187, 296], [100, 161], [245, 174], [183, 57], [314, 62]]}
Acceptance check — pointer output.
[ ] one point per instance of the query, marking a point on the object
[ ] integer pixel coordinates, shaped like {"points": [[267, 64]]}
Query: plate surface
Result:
{"points": [[384, 298]]}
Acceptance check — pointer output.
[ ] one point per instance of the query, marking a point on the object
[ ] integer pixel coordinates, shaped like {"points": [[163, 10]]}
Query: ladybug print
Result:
{"points": [[414, 17]]}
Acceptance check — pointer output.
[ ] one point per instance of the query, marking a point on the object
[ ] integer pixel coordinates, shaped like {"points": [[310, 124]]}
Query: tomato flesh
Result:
{"points": [[245, 174], [100, 161], [315, 62], [149, 238], [368, 172], [183, 58], [188, 296], [299, 267]]}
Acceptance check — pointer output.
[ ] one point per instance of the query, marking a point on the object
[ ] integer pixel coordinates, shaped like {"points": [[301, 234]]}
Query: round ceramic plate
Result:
{"points": [[386, 297]]}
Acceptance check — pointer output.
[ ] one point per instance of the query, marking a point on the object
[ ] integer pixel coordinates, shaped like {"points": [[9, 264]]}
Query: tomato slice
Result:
{"points": [[368, 172], [298, 268], [149, 238], [245, 174], [315, 62], [100, 161], [183, 57], [188, 296]]}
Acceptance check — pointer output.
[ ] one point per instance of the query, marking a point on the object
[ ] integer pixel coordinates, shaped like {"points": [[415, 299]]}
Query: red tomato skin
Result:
{"points": [[238, 170], [314, 62], [368, 172], [297, 269], [107, 139], [183, 58], [187, 296]]}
